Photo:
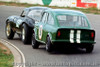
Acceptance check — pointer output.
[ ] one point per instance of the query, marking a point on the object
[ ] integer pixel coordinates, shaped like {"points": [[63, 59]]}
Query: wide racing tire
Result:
{"points": [[26, 34], [49, 46], [89, 48], [35, 43]]}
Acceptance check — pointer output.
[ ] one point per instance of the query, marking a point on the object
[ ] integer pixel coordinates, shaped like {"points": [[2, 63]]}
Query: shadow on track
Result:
{"points": [[59, 50], [64, 50]]}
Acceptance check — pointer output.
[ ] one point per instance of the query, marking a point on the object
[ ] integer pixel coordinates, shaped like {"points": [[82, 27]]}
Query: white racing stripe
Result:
{"points": [[71, 36], [78, 35]]}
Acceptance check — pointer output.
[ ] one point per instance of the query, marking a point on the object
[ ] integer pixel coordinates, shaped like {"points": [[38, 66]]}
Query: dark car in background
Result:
{"points": [[23, 24]]}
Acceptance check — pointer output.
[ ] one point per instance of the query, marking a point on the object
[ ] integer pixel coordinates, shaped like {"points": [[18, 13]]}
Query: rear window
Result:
{"points": [[73, 21]]}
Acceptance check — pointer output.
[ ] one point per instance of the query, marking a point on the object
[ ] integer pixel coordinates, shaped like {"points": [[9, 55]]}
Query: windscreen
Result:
{"points": [[35, 14], [72, 21]]}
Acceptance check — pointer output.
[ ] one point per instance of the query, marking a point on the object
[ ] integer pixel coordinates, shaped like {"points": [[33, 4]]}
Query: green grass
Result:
{"points": [[6, 60], [85, 10]]}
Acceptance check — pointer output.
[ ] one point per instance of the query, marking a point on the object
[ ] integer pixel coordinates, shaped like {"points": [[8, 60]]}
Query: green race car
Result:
{"points": [[63, 27]]}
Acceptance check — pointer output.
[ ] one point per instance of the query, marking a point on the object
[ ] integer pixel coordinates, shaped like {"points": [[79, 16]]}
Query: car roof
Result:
{"points": [[65, 11], [36, 7]]}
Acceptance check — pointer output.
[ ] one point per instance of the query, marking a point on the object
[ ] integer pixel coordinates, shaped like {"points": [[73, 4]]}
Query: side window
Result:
{"points": [[50, 20], [44, 19], [84, 22]]}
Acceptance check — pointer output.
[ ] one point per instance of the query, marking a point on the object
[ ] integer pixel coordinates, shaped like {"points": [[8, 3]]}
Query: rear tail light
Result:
{"points": [[92, 35], [59, 33]]}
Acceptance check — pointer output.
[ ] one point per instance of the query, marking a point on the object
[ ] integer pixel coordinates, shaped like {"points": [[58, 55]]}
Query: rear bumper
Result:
{"points": [[83, 44], [67, 41]]}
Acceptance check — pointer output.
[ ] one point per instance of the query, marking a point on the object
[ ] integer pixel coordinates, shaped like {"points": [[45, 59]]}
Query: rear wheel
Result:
{"points": [[89, 48], [35, 43], [49, 46], [9, 32], [26, 34]]}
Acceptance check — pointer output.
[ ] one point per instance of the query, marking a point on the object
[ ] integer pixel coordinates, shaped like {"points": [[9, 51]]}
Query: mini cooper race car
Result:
{"points": [[60, 26], [23, 24]]}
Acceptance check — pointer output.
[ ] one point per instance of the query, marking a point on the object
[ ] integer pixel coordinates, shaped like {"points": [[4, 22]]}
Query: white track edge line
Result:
{"points": [[23, 57]]}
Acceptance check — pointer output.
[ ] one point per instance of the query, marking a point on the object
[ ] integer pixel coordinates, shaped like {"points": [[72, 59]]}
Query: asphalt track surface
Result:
{"points": [[59, 58]]}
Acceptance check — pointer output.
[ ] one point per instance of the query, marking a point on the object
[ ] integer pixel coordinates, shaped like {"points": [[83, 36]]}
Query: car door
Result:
{"points": [[41, 27], [49, 26]]}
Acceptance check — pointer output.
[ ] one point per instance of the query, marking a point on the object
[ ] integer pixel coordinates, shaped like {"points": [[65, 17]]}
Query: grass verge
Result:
{"points": [[86, 10], [6, 57]]}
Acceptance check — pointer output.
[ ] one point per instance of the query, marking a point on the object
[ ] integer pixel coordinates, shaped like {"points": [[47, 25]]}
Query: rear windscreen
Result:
{"points": [[73, 21]]}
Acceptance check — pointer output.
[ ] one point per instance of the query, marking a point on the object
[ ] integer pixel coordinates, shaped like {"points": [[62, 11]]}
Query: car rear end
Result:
{"points": [[74, 30], [81, 38], [75, 36]]}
